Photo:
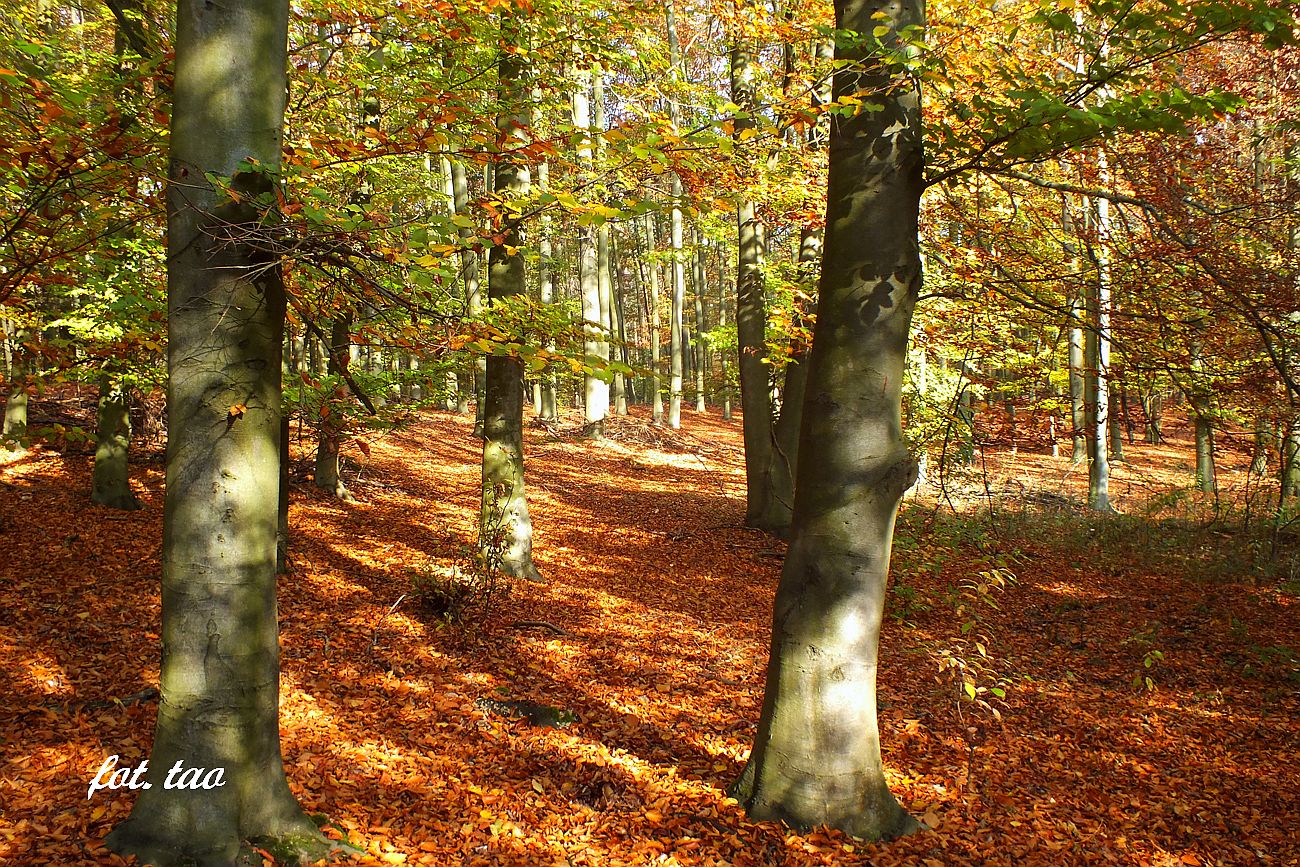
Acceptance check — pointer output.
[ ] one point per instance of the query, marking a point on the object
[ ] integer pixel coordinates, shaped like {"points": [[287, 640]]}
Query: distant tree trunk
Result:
{"points": [[1152, 406], [618, 331], [1116, 430], [596, 390], [505, 526], [111, 479], [676, 346], [698, 294], [1290, 464], [549, 410], [762, 509], [1198, 397], [816, 756], [15, 424], [1263, 445], [656, 328], [469, 267], [1078, 414], [226, 305], [327, 475]]}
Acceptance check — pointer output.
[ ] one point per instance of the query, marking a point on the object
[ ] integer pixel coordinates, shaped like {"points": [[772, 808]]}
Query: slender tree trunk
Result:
{"points": [[111, 479], [816, 756], [619, 351], [656, 327], [469, 268], [1116, 440], [1078, 414], [549, 411], [1152, 406], [596, 390], [676, 346], [505, 526], [226, 306], [1099, 465], [282, 508], [327, 475], [1263, 445], [15, 423], [698, 356], [1290, 464]]}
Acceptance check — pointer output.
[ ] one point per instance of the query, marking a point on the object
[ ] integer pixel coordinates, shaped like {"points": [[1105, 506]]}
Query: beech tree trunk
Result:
{"points": [[226, 306], [14, 432], [111, 478], [595, 389], [505, 526], [469, 268], [549, 410], [327, 476], [656, 327], [816, 757]]}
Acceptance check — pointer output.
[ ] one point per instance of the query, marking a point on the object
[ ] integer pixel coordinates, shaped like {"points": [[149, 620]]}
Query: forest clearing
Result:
{"points": [[664, 599]]}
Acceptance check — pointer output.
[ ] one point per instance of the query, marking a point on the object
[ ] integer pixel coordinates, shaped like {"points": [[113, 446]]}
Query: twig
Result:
{"points": [[542, 624]]}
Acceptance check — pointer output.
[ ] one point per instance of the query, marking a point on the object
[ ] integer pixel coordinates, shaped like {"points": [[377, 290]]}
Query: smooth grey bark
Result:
{"points": [[762, 507], [469, 268], [676, 345], [816, 758], [546, 290], [1290, 464], [15, 422], [618, 352], [111, 477], [1153, 403], [595, 389], [226, 308], [1204, 431], [505, 525], [1116, 439], [1199, 398], [656, 327], [1078, 414], [327, 476], [1263, 445], [698, 295], [282, 502]]}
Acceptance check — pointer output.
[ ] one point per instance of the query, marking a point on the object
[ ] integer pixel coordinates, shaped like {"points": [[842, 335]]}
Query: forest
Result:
{"points": [[629, 432]]}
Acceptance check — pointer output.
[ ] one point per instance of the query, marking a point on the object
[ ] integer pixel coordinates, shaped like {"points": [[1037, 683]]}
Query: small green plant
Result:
{"points": [[1143, 681], [449, 592], [908, 602]]}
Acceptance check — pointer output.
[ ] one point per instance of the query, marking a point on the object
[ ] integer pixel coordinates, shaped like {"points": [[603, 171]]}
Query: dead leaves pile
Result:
{"points": [[663, 600]]}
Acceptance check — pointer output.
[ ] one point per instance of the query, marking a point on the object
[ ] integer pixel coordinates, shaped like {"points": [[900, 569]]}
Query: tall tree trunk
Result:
{"points": [[505, 526], [816, 757], [111, 479], [1078, 415], [549, 411], [15, 423], [282, 502], [1152, 406], [656, 327], [327, 476], [1099, 465], [1263, 445], [676, 346], [762, 509], [617, 330], [595, 390], [698, 357], [1116, 440], [469, 268], [226, 305], [1290, 464]]}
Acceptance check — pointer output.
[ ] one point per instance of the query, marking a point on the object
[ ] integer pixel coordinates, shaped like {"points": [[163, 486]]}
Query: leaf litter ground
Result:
{"points": [[661, 602]]}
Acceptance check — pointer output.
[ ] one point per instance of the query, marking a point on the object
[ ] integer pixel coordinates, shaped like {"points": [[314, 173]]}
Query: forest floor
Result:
{"points": [[1151, 666]]}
